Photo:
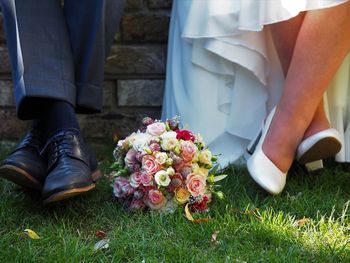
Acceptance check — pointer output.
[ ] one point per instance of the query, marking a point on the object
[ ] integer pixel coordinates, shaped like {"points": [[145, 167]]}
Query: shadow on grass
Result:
{"points": [[268, 236]]}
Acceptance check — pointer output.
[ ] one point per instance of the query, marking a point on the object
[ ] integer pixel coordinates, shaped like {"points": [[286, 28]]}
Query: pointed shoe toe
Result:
{"points": [[266, 174], [263, 171]]}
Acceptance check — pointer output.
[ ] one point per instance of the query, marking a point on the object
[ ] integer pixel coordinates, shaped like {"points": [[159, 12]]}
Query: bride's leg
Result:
{"points": [[284, 35], [321, 46]]}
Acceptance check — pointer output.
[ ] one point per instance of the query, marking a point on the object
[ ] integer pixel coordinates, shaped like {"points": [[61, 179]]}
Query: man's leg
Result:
{"points": [[43, 72], [40, 52], [91, 32], [91, 26], [42, 69]]}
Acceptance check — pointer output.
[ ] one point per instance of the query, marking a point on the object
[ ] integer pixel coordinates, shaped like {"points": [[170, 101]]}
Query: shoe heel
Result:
{"points": [[315, 165], [252, 145]]}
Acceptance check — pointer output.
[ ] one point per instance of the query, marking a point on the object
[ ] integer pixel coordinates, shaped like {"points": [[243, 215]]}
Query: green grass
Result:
{"points": [[271, 234]]}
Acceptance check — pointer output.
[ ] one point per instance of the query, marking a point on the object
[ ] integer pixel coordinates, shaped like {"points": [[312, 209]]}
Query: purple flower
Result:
{"points": [[147, 121], [154, 147], [130, 158], [185, 171], [138, 194], [139, 156], [122, 187], [173, 123]]}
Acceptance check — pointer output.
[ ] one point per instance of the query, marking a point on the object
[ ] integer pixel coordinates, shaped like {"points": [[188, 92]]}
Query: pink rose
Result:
{"points": [[188, 150], [156, 128], [149, 164], [146, 179], [196, 184], [130, 158], [155, 199], [122, 187], [135, 179]]}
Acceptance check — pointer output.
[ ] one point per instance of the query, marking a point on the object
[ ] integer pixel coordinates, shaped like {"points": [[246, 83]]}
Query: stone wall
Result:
{"points": [[134, 75]]}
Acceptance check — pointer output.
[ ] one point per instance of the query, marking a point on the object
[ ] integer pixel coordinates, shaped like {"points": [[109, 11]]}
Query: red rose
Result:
{"points": [[202, 206], [185, 135]]}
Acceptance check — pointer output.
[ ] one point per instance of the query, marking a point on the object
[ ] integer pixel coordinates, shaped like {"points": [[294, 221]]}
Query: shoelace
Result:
{"points": [[60, 144]]}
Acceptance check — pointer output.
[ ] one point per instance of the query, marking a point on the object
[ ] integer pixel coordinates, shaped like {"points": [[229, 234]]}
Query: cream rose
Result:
{"points": [[161, 158], [205, 157], [169, 144]]}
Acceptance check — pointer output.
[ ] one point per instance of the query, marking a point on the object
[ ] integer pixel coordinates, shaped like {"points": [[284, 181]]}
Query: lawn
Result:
{"points": [[308, 222]]}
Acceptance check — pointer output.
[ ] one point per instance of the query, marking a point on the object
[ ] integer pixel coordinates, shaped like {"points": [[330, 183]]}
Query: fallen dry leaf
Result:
{"points": [[214, 237], [190, 217], [188, 213], [100, 233], [32, 234], [301, 222]]}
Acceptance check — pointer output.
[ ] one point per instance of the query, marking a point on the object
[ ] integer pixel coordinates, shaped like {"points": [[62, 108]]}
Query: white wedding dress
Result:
{"points": [[224, 76]]}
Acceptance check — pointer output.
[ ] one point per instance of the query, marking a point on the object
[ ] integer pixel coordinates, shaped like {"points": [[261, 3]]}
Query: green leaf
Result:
{"points": [[215, 169], [219, 177]]}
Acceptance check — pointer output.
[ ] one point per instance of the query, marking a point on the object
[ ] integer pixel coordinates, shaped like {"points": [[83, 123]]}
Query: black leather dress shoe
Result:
{"points": [[72, 167], [25, 166]]}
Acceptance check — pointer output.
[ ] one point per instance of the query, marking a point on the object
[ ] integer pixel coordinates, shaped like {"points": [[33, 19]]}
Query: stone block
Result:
{"points": [[11, 128], [2, 32], [159, 4], [5, 66], [109, 94], [140, 59], [145, 27], [133, 5], [120, 121], [6, 93], [140, 92]]}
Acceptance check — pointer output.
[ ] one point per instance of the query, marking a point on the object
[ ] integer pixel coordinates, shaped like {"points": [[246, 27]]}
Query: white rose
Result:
{"points": [[161, 158], [141, 141], [169, 134]]}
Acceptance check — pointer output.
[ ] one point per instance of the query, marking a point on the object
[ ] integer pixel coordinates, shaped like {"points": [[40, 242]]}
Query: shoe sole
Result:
{"points": [[19, 177], [324, 148], [68, 193], [96, 175]]}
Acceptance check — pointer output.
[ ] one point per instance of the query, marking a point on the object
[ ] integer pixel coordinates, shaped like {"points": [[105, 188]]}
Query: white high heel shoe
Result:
{"points": [[319, 146], [264, 172]]}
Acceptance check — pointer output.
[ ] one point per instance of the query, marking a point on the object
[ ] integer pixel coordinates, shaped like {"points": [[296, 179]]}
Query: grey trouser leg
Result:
{"points": [[92, 25], [59, 53]]}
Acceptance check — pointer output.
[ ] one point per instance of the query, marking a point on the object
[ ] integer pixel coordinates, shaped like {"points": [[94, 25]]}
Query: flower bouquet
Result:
{"points": [[162, 167]]}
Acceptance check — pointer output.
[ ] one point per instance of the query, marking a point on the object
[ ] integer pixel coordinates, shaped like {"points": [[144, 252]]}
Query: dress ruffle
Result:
{"points": [[223, 73]]}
